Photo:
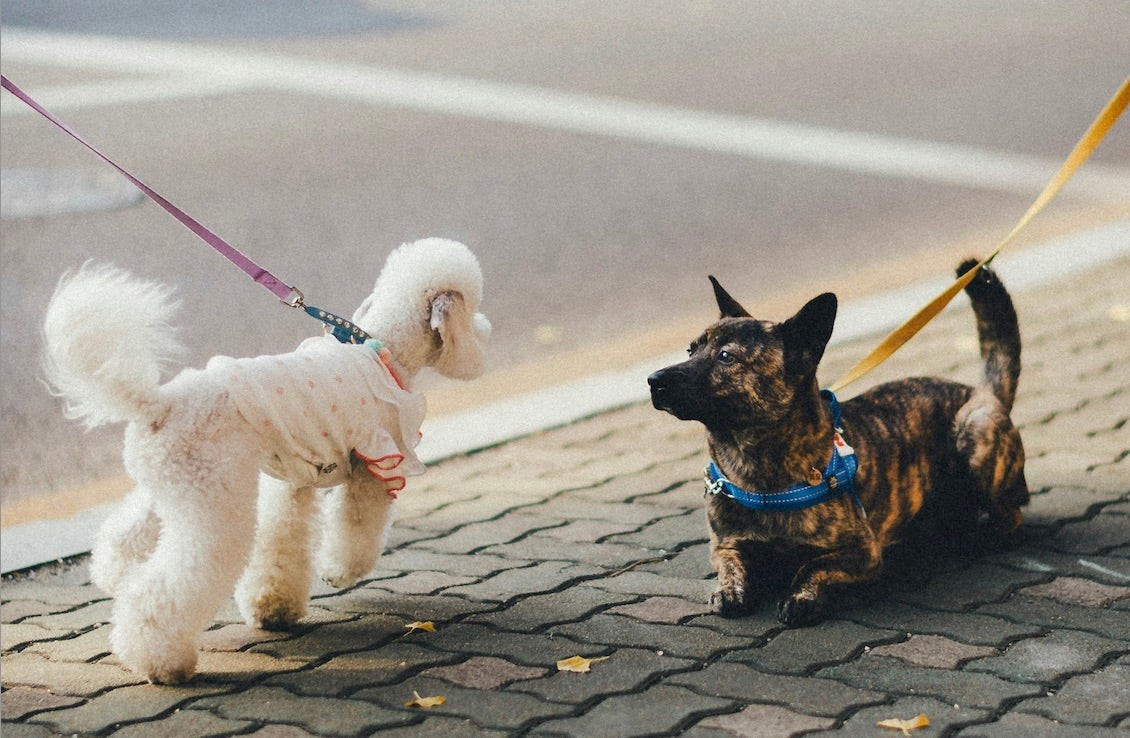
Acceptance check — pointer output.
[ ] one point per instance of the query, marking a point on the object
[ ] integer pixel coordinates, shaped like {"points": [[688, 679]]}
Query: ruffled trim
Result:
{"points": [[380, 468]]}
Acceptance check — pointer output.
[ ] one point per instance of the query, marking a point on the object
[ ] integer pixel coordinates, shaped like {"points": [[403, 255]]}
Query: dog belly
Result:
{"points": [[297, 470]]}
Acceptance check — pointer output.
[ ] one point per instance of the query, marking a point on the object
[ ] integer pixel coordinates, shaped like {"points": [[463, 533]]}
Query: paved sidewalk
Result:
{"points": [[590, 540]]}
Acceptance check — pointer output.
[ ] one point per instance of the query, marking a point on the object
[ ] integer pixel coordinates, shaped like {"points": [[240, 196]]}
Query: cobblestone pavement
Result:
{"points": [[590, 540]]}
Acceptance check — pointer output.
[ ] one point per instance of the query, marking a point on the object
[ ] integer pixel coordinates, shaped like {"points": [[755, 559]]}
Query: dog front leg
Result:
{"points": [[732, 597], [747, 572], [817, 580], [275, 587], [355, 522]]}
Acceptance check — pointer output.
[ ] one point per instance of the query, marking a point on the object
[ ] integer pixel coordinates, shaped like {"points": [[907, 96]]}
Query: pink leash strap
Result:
{"points": [[280, 289]]}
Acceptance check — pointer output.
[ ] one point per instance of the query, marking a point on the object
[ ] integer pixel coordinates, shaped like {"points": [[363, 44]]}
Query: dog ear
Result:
{"points": [[463, 335], [443, 305], [806, 334], [728, 306]]}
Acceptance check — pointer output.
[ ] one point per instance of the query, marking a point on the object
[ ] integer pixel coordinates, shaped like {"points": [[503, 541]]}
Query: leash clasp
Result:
{"points": [[295, 299], [713, 486]]}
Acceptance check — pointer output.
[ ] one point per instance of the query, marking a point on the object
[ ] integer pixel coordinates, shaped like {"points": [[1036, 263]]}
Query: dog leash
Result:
{"points": [[342, 329], [1083, 149]]}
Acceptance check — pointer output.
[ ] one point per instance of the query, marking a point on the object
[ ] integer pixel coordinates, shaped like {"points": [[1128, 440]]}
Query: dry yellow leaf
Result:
{"points": [[579, 664], [906, 725], [426, 625], [424, 702]]}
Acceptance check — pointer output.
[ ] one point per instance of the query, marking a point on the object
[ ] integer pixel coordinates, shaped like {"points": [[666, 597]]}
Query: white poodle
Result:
{"points": [[326, 415]]}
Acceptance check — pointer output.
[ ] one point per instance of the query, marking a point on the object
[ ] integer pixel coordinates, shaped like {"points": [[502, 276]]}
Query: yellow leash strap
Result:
{"points": [[1075, 159]]}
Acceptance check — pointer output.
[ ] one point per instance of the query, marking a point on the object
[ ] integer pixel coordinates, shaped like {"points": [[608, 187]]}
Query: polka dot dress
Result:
{"points": [[323, 407]]}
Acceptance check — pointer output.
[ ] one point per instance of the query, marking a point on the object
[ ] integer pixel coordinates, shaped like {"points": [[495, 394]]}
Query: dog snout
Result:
{"points": [[659, 381], [662, 383], [678, 390]]}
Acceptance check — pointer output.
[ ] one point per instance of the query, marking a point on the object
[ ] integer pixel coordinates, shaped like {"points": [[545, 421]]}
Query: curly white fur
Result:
{"points": [[201, 513], [118, 339]]}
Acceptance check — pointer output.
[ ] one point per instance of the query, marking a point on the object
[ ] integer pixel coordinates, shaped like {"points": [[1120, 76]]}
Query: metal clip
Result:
{"points": [[295, 299], [713, 487]]}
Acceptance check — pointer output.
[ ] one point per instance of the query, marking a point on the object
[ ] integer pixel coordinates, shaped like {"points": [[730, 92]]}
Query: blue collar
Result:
{"points": [[342, 329], [838, 477]]}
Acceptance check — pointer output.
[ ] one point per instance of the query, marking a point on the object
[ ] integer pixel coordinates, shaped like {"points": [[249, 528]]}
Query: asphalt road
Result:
{"points": [[601, 159]]}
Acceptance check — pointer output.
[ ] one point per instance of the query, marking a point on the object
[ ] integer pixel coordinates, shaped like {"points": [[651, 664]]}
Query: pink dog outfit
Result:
{"points": [[324, 405]]}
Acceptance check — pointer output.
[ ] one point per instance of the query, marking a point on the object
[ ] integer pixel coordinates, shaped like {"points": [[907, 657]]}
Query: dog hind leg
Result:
{"points": [[275, 587], [355, 523], [990, 445], [208, 523]]}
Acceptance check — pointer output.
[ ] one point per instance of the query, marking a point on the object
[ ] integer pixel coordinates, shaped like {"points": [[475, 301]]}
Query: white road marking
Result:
{"points": [[1104, 570], [1033, 565], [165, 71], [115, 92]]}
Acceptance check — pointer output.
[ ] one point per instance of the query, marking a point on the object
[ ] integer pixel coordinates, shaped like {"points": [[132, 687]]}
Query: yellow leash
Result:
{"points": [[1075, 159]]}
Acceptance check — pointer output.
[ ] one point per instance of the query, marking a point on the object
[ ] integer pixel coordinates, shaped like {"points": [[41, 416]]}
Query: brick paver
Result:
{"points": [[590, 540]]}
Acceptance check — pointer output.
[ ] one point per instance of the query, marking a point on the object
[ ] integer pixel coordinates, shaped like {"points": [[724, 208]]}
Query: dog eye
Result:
{"points": [[726, 358]]}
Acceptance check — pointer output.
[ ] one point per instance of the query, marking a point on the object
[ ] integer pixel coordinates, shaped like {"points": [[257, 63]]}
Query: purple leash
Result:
{"points": [[341, 328], [280, 289]]}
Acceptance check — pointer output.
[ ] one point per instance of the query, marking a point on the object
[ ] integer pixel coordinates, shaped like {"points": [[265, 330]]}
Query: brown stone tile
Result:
{"points": [[484, 672], [1077, 591], [938, 652]]}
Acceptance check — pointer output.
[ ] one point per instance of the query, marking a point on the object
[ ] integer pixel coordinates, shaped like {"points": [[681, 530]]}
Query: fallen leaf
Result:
{"points": [[427, 626], [906, 725], [424, 702], [579, 664]]}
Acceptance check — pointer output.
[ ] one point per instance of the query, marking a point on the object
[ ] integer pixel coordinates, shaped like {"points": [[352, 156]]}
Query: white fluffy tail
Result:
{"points": [[108, 336]]}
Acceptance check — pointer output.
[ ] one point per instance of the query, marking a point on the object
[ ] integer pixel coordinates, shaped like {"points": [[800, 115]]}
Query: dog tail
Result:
{"points": [[998, 331], [108, 336]]}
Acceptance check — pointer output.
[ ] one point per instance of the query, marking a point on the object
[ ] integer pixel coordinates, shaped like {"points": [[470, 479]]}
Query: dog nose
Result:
{"points": [[661, 389]]}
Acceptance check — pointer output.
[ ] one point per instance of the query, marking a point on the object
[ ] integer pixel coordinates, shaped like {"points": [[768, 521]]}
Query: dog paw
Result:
{"points": [[801, 610], [729, 603], [175, 675], [341, 579], [271, 605], [339, 570], [173, 666], [278, 618], [276, 623]]}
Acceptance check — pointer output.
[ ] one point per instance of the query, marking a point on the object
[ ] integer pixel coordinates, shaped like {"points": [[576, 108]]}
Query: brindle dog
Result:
{"points": [[929, 450]]}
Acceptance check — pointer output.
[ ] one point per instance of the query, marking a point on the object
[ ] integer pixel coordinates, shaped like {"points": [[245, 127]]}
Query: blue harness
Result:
{"points": [[838, 477]]}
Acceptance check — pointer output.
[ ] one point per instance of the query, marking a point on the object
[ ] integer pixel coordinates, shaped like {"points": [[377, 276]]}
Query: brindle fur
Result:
{"points": [[930, 450]]}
